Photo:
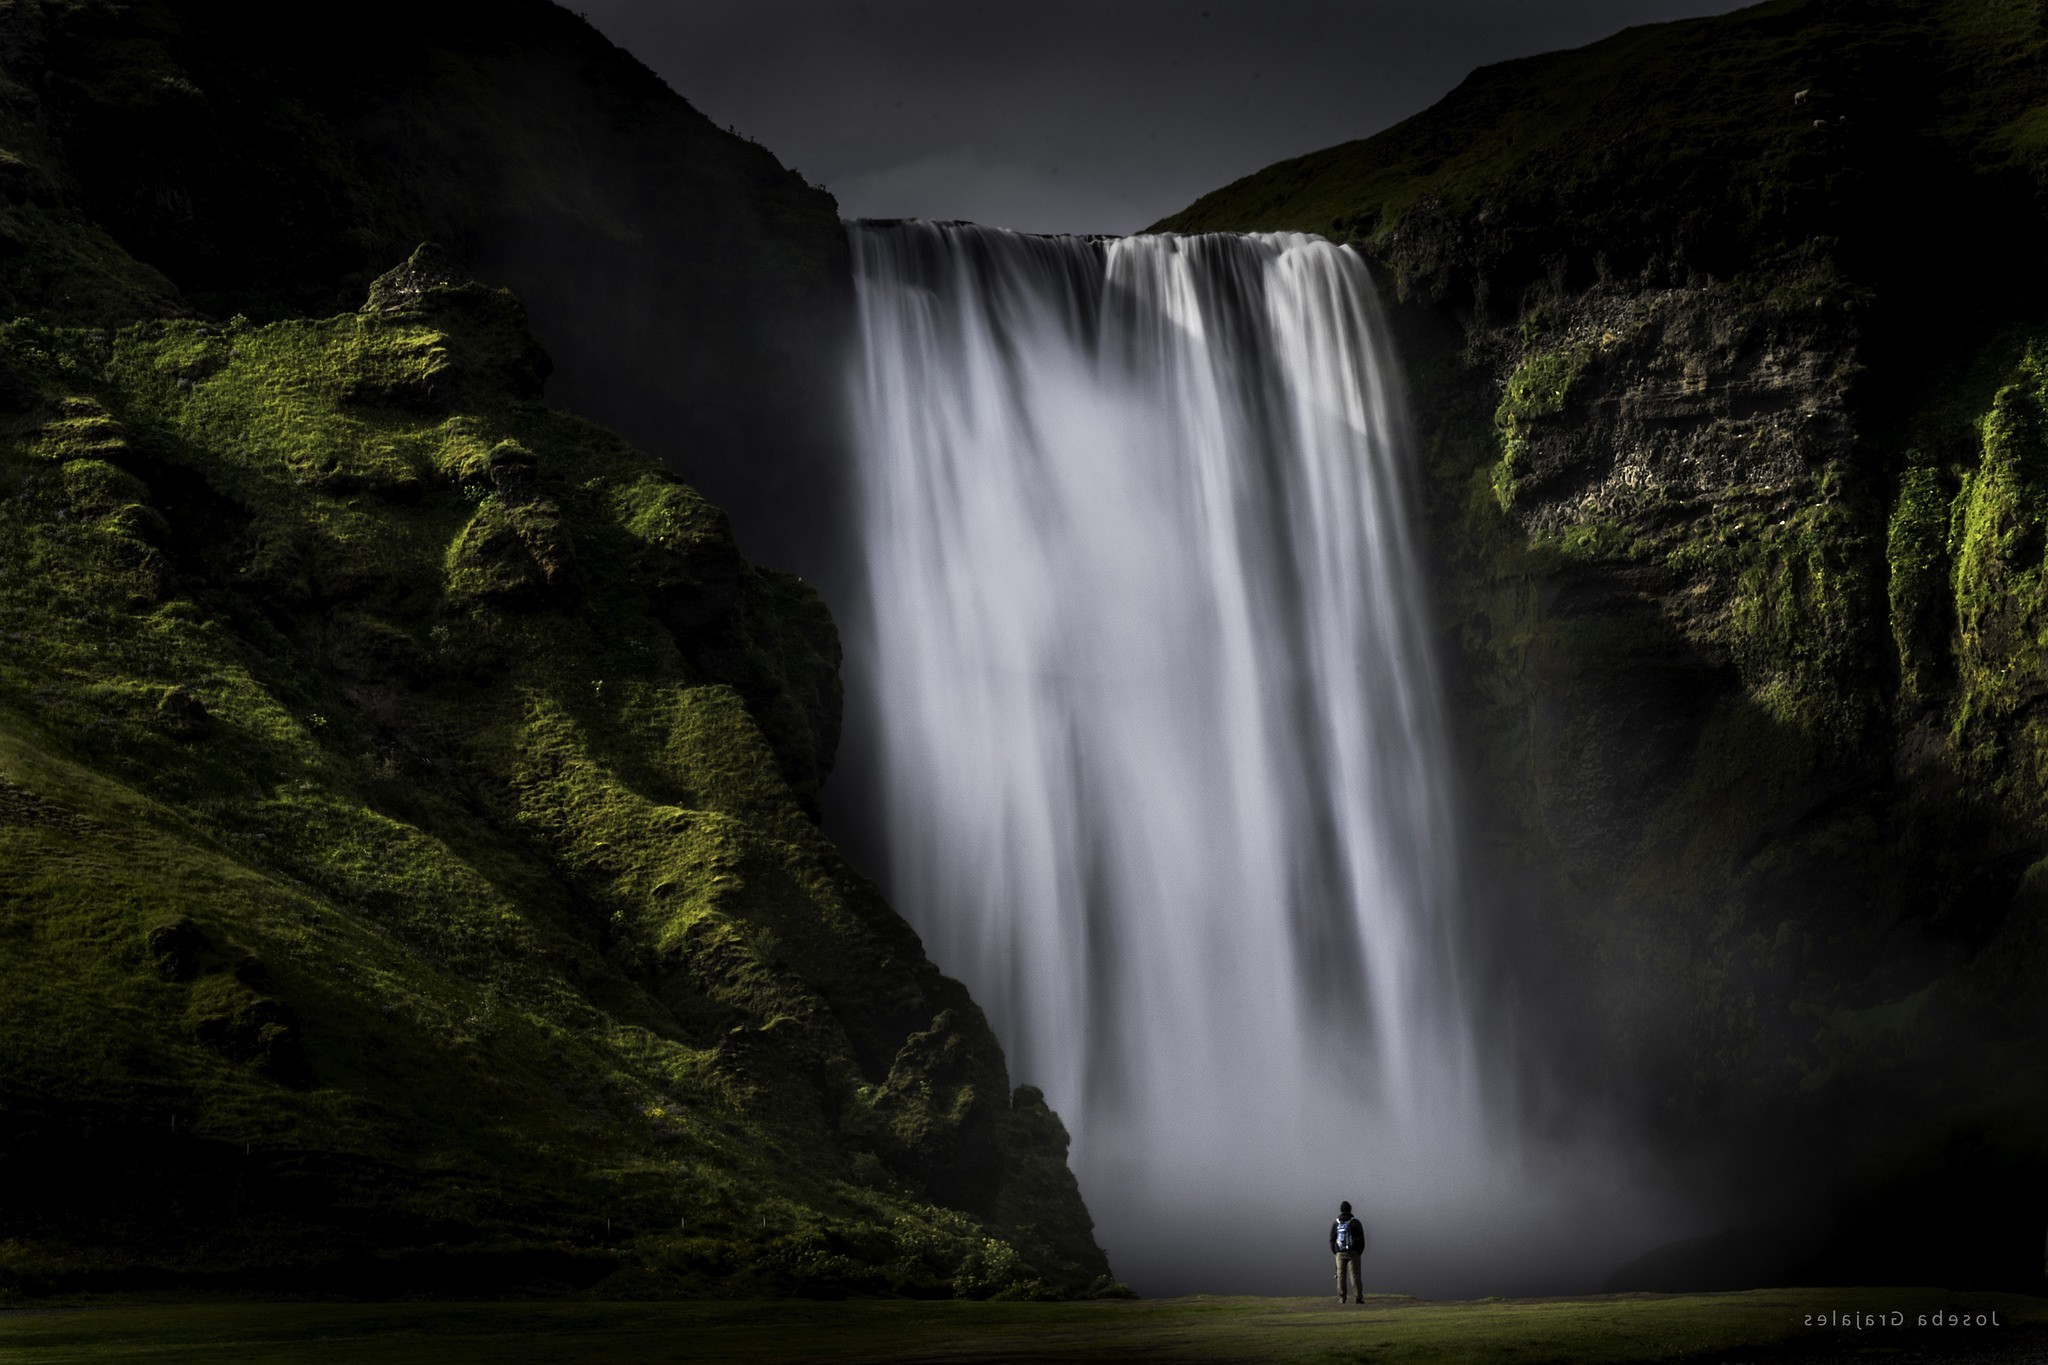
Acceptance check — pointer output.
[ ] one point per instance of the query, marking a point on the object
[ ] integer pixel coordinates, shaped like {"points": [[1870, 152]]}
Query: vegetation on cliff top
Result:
{"points": [[1715, 144]]}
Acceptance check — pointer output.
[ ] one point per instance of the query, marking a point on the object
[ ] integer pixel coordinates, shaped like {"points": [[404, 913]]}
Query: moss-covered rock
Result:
{"points": [[2000, 529], [408, 874], [1539, 388]]}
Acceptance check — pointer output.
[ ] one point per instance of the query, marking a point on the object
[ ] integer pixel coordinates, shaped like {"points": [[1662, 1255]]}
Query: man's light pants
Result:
{"points": [[1348, 1260]]}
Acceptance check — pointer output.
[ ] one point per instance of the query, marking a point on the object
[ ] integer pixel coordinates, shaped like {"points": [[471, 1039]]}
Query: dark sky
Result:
{"points": [[1076, 115]]}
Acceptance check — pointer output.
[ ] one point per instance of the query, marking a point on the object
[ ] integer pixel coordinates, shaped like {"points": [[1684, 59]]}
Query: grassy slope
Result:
{"points": [[406, 867], [1723, 141], [1764, 1326]]}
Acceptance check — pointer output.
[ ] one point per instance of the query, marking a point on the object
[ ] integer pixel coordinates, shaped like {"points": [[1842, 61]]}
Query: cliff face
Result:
{"points": [[409, 871], [1726, 346], [689, 287]]}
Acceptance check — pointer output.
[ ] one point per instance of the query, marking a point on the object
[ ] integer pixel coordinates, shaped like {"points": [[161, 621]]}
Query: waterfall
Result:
{"points": [[1162, 758]]}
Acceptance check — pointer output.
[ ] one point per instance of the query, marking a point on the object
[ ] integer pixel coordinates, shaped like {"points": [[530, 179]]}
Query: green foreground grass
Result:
{"points": [[1777, 1325]]}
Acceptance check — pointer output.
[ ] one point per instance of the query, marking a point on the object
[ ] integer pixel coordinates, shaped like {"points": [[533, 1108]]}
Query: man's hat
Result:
{"points": [[1344, 1207]]}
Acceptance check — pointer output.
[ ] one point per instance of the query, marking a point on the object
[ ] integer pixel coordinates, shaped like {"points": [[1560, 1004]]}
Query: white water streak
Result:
{"points": [[1164, 764]]}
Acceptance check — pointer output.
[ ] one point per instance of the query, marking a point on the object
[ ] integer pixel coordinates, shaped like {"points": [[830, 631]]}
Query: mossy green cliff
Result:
{"points": [[410, 877], [1726, 342], [407, 869]]}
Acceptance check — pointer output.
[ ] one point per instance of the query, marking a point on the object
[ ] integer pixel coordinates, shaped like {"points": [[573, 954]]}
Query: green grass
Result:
{"points": [[1766, 1324]]}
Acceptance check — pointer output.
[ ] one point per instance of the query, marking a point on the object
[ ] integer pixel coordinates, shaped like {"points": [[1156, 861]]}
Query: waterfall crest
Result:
{"points": [[1163, 764]]}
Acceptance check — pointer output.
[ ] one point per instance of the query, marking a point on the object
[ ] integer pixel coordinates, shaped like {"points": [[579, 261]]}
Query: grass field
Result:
{"points": [[1762, 1325]]}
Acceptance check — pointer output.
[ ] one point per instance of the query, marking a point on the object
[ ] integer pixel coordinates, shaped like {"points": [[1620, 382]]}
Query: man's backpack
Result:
{"points": [[1344, 1226]]}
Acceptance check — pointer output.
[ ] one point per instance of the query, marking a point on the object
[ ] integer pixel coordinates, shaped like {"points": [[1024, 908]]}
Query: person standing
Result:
{"points": [[1347, 1244]]}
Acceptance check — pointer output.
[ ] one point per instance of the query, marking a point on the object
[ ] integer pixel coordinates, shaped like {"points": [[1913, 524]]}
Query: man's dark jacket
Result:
{"points": [[1357, 1236]]}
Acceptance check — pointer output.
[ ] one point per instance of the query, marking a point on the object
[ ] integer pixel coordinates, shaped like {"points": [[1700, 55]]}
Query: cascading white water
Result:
{"points": [[1163, 768]]}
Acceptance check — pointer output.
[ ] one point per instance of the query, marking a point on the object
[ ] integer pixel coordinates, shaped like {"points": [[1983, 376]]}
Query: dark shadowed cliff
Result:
{"points": [[1729, 350]]}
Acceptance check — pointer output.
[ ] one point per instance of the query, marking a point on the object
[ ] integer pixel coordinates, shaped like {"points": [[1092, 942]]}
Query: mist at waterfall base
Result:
{"points": [[1163, 774]]}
